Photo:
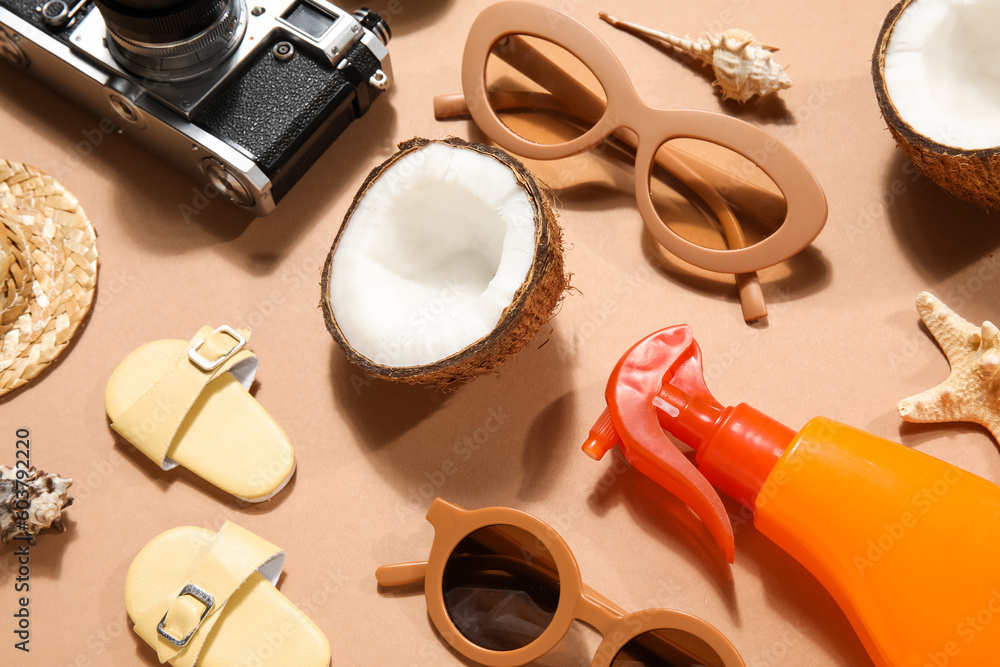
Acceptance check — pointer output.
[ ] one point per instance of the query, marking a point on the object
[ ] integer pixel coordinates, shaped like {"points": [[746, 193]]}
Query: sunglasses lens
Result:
{"points": [[541, 91], [501, 588], [667, 648], [714, 197]]}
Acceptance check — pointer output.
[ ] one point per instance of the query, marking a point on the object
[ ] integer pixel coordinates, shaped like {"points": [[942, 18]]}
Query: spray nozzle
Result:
{"points": [[659, 384]]}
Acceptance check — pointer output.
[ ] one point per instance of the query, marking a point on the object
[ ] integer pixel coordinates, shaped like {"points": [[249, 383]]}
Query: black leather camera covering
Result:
{"points": [[273, 107]]}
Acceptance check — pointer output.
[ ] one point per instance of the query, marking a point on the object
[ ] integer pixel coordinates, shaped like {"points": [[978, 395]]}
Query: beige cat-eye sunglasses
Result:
{"points": [[544, 86]]}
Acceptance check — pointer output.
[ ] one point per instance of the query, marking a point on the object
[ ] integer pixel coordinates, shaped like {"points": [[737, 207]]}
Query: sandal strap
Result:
{"points": [[152, 422], [187, 622]]}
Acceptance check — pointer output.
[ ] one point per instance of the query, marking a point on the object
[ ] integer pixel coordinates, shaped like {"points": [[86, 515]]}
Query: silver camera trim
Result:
{"points": [[100, 86], [11, 50], [186, 97]]}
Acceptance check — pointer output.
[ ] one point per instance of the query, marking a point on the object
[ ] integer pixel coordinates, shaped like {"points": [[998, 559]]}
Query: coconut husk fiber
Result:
{"points": [[972, 175], [532, 305]]}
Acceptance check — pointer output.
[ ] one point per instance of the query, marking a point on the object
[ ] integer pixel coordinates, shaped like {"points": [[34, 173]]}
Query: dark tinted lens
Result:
{"points": [[501, 588], [667, 648], [541, 91]]}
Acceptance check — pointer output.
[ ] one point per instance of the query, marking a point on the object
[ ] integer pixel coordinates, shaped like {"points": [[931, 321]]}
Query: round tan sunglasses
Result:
{"points": [[502, 588], [517, 33]]}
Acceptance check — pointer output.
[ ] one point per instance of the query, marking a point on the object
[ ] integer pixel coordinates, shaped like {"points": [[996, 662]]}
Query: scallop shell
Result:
{"points": [[46, 495], [743, 66]]}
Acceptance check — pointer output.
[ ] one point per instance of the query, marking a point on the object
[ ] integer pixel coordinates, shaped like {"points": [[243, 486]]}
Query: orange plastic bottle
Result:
{"points": [[908, 545]]}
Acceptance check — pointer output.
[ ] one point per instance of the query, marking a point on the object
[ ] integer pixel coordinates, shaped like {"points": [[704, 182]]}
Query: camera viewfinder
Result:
{"points": [[309, 20]]}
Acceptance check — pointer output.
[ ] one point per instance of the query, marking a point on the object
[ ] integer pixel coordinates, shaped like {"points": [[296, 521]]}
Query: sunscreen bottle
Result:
{"points": [[908, 545]]}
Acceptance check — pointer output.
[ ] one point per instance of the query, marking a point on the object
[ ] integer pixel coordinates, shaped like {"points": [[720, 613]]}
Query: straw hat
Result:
{"points": [[48, 271]]}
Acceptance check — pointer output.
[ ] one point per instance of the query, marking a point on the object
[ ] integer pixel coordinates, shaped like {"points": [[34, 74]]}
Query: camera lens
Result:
{"points": [[172, 40]]}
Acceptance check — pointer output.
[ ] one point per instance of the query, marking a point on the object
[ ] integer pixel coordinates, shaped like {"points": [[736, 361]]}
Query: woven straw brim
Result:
{"points": [[48, 269]]}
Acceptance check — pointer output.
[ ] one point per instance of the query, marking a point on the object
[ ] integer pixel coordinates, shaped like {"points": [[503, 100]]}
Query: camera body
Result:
{"points": [[245, 96]]}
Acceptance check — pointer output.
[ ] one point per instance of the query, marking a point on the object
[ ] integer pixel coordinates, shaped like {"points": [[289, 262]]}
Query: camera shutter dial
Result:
{"points": [[227, 182]]}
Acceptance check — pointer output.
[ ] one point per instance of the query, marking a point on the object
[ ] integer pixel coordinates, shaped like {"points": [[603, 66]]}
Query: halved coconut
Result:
{"points": [[937, 78], [446, 265]]}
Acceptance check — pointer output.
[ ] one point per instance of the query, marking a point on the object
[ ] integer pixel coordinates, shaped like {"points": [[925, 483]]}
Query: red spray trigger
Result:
{"points": [[660, 379]]}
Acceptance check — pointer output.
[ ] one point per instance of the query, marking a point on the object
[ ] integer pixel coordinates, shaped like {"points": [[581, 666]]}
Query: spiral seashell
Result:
{"points": [[46, 496], [743, 67]]}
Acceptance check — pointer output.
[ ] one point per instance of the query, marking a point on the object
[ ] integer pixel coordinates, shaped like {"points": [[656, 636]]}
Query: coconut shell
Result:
{"points": [[972, 175], [532, 306]]}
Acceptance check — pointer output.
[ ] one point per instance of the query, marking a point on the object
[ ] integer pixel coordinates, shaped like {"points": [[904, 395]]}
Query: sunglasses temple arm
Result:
{"points": [[450, 106], [523, 57], [691, 170], [532, 63], [747, 284], [567, 89], [765, 206], [401, 574]]}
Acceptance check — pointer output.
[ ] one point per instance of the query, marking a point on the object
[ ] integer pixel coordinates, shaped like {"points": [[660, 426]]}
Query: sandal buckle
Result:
{"points": [[202, 596], [208, 366]]}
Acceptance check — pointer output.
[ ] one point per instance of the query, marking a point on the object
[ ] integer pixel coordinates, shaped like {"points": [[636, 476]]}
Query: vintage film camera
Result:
{"points": [[244, 95]]}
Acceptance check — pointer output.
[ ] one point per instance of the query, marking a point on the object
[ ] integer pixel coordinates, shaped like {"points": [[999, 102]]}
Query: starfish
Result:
{"points": [[972, 391]]}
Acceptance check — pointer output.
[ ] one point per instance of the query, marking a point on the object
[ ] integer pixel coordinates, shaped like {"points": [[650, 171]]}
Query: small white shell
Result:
{"points": [[743, 67], [45, 496]]}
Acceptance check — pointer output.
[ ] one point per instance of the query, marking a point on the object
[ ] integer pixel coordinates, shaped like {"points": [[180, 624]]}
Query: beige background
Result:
{"points": [[843, 340]]}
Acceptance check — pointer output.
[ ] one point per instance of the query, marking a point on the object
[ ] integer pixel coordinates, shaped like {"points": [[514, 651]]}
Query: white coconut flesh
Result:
{"points": [[431, 257], [942, 71]]}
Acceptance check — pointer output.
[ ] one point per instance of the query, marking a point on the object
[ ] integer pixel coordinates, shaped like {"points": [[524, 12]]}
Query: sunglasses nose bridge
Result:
{"points": [[642, 121]]}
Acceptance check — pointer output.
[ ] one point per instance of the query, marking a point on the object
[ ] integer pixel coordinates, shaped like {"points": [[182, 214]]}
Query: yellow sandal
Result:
{"points": [[207, 599], [186, 403]]}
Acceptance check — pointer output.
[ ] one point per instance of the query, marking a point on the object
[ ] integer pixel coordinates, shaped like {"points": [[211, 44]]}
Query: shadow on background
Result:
{"points": [[163, 480], [539, 455], [662, 515], [939, 233], [45, 555], [63, 354], [189, 216], [479, 438], [916, 434], [791, 590], [380, 411], [589, 182], [801, 275], [405, 16]]}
